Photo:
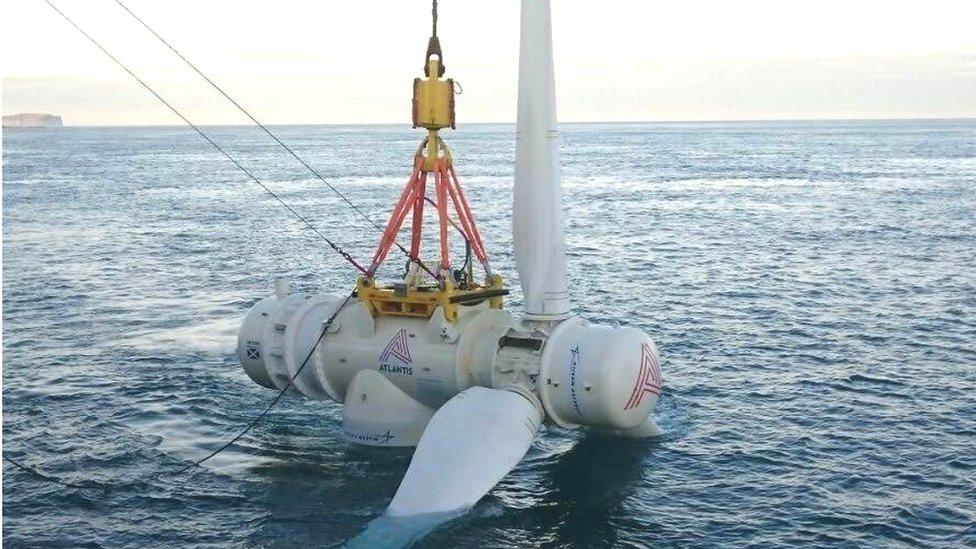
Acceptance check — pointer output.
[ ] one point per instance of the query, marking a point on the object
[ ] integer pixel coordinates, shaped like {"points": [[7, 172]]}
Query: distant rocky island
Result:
{"points": [[32, 120]]}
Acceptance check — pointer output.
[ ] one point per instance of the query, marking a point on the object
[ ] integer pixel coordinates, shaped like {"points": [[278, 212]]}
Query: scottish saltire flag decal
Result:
{"points": [[396, 357], [253, 350], [648, 378]]}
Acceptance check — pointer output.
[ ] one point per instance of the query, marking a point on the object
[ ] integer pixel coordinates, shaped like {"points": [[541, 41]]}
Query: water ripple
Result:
{"points": [[809, 285]]}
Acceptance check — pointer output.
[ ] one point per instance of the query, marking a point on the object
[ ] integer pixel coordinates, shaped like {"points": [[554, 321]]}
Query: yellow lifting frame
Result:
{"points": [[421, 302]]}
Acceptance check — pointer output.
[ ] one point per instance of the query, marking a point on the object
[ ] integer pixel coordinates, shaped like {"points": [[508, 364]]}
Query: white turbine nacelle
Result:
{"points": [[470, 394]]}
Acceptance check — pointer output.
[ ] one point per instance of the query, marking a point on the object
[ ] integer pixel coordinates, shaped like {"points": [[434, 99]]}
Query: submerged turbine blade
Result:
{"points": [[470, 444]]}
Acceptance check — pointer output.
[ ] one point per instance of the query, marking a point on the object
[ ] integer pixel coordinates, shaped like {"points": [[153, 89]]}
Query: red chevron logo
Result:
{"points": [[648, 380]]}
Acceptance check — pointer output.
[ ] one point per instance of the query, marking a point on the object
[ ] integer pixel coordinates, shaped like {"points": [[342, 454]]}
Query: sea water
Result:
{"points": [[811, 287]]}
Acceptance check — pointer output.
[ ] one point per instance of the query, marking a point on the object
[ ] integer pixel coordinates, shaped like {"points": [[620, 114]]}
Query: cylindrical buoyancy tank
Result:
{"points": [[431, 360]]}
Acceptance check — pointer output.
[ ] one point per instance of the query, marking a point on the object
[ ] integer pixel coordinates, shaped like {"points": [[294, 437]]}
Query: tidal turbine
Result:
{"points": [[440, 364]]}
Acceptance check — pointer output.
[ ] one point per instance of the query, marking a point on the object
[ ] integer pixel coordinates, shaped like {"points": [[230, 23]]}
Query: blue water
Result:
{"points": [[812, 288]]}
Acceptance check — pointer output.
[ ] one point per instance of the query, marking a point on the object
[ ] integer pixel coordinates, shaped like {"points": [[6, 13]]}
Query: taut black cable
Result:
{"points": [[273, 136], [206, 137], [281, 393], [49, 478]]}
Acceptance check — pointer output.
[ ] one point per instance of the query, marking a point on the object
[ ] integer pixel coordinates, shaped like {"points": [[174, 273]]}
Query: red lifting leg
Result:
{"points": [[466, 217], [446, 188], [403, 206], [418, 217]]}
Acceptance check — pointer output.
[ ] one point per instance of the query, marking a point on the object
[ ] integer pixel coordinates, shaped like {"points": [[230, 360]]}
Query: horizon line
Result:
{"points": [[573, 122]]}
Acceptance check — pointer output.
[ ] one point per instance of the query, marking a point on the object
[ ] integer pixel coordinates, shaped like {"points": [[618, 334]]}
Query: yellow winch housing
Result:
{"points": [[433, 99]]}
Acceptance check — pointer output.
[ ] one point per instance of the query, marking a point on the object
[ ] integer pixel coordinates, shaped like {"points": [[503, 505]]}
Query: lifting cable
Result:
{"points": [[213, 143], [433, 18], [271, 134]]}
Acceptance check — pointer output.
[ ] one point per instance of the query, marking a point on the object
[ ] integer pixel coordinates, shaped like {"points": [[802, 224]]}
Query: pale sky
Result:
{"points": [[353, 62]]}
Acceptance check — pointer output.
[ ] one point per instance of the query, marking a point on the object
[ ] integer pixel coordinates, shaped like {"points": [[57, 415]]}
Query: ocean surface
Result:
{"points": [[811, 287]]}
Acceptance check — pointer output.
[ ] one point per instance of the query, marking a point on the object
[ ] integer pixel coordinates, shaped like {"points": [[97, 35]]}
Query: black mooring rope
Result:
{"points": [[273, 136], [208, 139], [281, 392], [48, 478]]}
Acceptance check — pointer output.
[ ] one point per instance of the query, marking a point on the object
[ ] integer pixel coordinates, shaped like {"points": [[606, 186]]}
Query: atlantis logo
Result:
{"points": [[396, 357]]}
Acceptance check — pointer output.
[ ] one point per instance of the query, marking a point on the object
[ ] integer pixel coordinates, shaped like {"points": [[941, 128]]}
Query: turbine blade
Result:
{"points": [[537, 218], [470, 444]]}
